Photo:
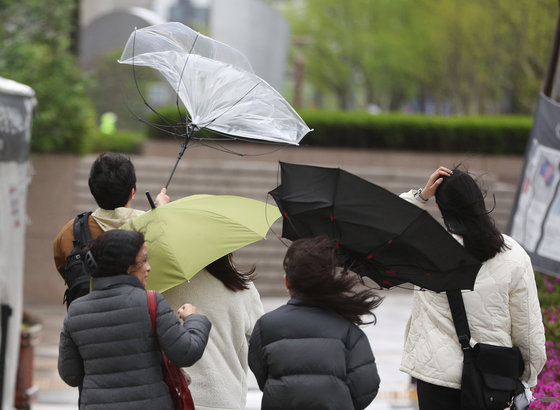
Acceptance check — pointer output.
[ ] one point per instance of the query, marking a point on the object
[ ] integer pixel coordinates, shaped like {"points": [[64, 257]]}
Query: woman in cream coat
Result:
{"points": [[503, 308], [232, 303]]}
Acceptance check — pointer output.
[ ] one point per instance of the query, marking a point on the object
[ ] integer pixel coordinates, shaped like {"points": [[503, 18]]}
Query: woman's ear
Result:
{"points": [[286, 282], [130, 197]]}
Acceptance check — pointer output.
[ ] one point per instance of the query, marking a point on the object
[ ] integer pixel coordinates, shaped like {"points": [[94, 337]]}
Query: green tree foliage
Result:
{"points": [[34, 50], [471, 57], [326, 48]]}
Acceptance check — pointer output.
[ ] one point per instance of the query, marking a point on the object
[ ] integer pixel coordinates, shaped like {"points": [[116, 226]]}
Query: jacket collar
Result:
{"points": [[115, 281], [114, 218], [302, 302]]}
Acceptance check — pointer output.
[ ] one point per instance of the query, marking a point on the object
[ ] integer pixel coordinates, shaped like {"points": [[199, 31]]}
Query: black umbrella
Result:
{"points": [[381, 235]]}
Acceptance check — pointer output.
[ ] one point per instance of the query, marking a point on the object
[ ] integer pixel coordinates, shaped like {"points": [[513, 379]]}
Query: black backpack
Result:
{"points": [[77, 278]]}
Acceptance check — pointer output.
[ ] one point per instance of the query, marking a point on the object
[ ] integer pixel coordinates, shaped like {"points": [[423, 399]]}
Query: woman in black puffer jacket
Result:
{"points": [[310, 354], [107, 345]]}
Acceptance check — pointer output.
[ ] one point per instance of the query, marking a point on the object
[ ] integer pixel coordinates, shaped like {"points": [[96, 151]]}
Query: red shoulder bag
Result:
{"points": [[172, 375]]}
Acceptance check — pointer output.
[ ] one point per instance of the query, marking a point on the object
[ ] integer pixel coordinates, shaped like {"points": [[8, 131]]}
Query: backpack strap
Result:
{"points": [[76, 278], [152, 308], [459, 315], [82, 235]]}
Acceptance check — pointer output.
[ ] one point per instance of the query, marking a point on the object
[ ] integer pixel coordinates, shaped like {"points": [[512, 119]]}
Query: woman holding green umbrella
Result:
{"points": [[190, 242], [230, 300]]}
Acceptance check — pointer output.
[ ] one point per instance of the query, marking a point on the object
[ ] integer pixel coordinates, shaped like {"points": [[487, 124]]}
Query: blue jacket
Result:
{"points": [[307, 358], [107, 345]]}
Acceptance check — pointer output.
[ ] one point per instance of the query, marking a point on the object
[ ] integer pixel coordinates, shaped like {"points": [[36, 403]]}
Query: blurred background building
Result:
{"points": [[253, 27]]}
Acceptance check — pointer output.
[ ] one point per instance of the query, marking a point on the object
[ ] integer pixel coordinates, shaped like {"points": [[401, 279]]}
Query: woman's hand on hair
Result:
{"points": [[186, 310], [434, 181], [162, 198]]}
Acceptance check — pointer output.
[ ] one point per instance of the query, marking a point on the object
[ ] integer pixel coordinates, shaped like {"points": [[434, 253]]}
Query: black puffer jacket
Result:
{"points": [[307, 358], [107, 346]]}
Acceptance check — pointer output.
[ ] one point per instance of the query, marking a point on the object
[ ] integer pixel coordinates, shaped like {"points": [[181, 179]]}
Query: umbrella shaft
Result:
{"points": [[172, 172], [181, 152]]}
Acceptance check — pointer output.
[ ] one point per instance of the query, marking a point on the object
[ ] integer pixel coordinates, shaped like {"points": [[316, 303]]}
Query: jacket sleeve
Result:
{"points": [[409, 197], [257, 362], [70, 362], [527, 330], [363, 379], [183, 343]]}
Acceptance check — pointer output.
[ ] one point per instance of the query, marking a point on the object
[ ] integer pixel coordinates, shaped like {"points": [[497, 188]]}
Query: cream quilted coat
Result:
{"points": [[503, 309]]}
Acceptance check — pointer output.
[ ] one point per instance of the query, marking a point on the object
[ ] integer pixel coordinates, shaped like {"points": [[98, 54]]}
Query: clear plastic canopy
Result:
{"points": [[216, 84]]}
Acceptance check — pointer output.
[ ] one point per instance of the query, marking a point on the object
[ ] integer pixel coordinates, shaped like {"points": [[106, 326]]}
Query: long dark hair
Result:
{"points": [[113, 252], [311, 268], [461, 203], [224, 269]]}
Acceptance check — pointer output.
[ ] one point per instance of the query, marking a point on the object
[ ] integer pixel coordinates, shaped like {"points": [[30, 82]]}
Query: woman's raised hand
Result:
{"points": [[434, 181], [186, 310]]}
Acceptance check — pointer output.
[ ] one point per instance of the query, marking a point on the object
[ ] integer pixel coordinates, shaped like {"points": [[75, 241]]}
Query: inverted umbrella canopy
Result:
{"points": [[216, 84], [188, 234], [381, 235]]}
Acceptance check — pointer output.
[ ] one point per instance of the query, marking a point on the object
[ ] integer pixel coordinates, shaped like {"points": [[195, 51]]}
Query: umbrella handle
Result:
{"points": [[150, 200]]}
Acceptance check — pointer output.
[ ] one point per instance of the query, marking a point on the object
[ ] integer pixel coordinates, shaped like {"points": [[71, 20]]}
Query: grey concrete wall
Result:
{"points": [[109, 32], [50, 204]]}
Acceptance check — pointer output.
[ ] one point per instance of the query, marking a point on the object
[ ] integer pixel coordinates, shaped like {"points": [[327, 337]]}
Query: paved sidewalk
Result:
{"points": [[386, 338]]}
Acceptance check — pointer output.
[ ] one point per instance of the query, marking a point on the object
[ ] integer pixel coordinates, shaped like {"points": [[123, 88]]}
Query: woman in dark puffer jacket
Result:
{"points": [[310, 353], [107, 344]]}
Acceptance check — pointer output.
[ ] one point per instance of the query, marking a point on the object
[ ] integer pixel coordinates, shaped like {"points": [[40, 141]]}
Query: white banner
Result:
{"points": [[535, 221]]}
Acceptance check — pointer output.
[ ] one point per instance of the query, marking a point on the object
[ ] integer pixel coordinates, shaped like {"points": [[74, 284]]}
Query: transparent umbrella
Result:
{"points": [[216, 85]]}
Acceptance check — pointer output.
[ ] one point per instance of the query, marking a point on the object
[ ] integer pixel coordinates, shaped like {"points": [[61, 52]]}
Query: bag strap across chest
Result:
{"points": [[152, 308], [459, 315]]}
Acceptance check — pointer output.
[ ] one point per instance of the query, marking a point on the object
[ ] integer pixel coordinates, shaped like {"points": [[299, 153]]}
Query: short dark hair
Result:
{"points": [[111, 179], [114, 251], [311, 268], [461, 203]]}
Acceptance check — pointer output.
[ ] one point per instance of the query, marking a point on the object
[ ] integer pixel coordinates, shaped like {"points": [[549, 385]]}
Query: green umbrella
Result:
{"points": [[188, 234]]}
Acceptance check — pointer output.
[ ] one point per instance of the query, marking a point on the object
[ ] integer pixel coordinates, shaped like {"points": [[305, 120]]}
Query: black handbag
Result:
{"points": [[491, 373]]}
